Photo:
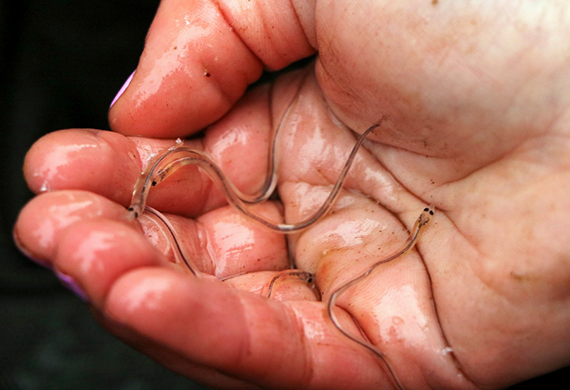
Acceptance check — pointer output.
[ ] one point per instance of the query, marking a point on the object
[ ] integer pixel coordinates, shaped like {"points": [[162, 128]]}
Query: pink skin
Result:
{"points": [[475, 111]]}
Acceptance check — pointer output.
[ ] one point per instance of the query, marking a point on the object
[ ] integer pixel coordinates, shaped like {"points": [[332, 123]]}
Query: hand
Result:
{"points": [[473, 102]]}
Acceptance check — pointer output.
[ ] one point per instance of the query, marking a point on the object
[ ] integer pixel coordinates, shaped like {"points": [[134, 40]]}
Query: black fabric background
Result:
{"points": [[61, 63]]}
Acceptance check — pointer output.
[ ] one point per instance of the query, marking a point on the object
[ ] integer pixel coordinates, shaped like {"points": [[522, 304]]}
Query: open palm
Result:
{"points": [[471, 124]]}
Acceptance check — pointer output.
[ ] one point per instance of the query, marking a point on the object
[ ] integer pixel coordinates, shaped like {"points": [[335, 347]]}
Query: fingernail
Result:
{"points": [[123, 88], [72, 285], [26, 252]]}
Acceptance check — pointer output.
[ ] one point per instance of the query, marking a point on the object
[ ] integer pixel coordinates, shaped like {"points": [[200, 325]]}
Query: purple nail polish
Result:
{"points": [[72, 285], [123, 88]]}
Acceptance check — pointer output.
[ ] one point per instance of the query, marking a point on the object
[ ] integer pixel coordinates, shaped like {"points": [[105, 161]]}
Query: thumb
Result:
{"points": [[198, 60]]}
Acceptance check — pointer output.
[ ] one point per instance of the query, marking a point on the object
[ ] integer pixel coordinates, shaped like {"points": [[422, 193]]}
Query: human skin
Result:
{"points": [[473, 105]]}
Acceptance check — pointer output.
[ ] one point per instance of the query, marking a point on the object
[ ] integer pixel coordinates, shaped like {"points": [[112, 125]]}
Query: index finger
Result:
{"points": [[109, 164]]}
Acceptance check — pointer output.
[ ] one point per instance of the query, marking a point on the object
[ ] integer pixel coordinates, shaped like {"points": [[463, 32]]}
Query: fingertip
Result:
{"points": [[23, 247], [40, 223], [163, 103], [94, 160]]}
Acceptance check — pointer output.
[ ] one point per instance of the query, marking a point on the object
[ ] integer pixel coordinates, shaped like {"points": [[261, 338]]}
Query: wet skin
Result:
{"points": [[474, 104]]}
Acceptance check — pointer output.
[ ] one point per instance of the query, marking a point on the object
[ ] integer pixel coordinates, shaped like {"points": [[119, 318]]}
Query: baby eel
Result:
{"points": [[420, 224], [179, 156]]}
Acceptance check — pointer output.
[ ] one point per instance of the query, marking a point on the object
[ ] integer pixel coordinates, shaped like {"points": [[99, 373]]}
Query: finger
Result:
{"points": [[198, 60], [110, 164], [241, 335], [220, 243], [95, 253], [93, 160], [41, 222]]}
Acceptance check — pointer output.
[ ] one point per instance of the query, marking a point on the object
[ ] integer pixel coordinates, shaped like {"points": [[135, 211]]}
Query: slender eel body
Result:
{"points": [[422, 221], [179, 156]]}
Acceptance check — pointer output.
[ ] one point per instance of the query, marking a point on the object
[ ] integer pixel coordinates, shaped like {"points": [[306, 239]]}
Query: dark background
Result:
{"points": [[61, 64]]}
